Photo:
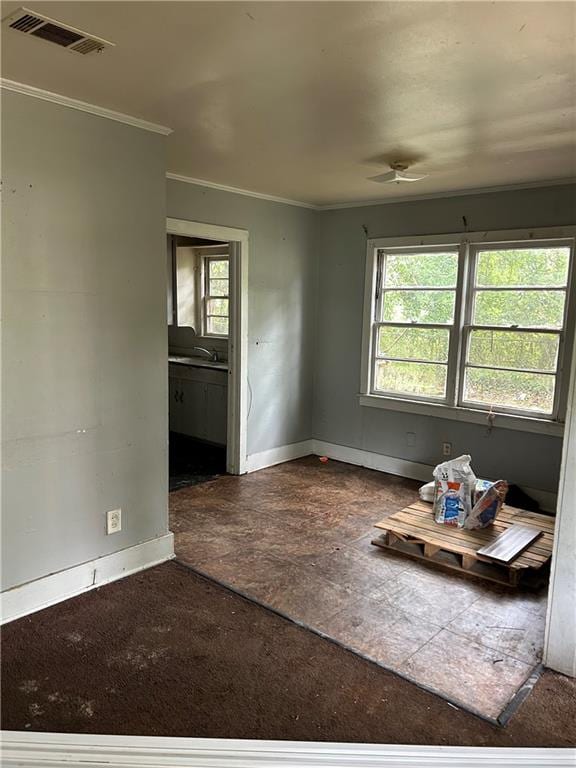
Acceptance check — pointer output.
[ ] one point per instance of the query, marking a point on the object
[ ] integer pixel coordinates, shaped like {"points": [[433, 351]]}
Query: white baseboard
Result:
{"points": [[279, 455], [405, 468], [23, 749], [48, 590], [371, 460]]}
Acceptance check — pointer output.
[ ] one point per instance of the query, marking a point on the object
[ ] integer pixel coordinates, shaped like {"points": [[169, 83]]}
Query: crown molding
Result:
{"points": [[239, 191], [83, 106], [367, 203], [451, 193]]}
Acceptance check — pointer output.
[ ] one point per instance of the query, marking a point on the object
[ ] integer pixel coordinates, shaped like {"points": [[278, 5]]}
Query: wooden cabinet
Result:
{"points": [[198, 405]]}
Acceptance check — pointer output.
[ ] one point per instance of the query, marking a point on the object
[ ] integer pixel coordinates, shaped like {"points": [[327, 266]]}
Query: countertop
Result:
{"points": [[198, 362]]}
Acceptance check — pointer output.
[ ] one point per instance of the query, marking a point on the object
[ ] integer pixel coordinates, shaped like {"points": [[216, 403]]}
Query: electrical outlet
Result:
{"points": [[410, 438], [446, 449], [114, 521]]}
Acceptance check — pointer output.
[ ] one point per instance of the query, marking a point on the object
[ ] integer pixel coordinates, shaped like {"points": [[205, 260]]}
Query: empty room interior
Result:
{"points": [[289, 371]]}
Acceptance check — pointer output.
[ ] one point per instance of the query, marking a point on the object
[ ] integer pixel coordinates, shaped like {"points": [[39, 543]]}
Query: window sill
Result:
{"points": [[441, 411]]}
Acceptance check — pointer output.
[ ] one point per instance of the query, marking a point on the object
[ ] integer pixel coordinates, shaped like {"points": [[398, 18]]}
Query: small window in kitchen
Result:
{"points": [[216, 295]]}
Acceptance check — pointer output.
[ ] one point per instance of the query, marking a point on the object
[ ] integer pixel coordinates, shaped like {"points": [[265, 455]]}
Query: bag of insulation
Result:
{"points": [[454, 483]]}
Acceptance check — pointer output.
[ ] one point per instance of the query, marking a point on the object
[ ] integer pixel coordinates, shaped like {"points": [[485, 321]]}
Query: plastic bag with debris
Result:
{"points": [[454, 483], [486, 508]]}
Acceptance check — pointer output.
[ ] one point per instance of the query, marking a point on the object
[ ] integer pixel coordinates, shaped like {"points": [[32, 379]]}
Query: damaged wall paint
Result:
{"points": [[84, 337]]}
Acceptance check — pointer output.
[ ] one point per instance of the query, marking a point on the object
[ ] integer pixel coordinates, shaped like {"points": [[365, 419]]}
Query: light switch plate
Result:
{"points": [[114, 521]]}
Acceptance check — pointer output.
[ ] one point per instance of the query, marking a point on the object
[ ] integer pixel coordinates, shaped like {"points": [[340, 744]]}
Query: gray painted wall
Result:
{"points": [[524, 458], [84, 337], [281, 314]]}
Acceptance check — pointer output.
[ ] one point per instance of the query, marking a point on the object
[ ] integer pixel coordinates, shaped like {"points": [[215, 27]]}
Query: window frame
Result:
{"points": [[380, 290], [206, 295], [454, 406]]}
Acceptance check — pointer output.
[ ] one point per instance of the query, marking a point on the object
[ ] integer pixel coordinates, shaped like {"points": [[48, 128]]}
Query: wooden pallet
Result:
{"points": [[414, 532]]}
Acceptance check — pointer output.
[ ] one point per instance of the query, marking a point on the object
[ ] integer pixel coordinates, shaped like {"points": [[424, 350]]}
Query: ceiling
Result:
{"points": [[306, 100]]}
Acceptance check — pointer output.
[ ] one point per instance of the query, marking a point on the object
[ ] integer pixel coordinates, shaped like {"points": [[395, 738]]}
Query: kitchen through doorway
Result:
{"points": [[205, 314]]}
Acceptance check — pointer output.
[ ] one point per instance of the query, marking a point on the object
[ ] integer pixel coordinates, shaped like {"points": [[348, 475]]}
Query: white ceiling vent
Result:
{"points": [[37, 25]]}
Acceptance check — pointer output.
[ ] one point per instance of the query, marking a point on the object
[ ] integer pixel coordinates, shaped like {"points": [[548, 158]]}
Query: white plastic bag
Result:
{"points": [[427, 491], [454, 485]]}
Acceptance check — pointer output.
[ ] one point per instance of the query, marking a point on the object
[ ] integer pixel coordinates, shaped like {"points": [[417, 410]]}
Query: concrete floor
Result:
{"points": [[296, 537]]}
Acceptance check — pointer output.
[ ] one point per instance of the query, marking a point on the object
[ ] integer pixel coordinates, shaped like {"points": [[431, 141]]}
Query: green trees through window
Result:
{"points": [[501, 350]]}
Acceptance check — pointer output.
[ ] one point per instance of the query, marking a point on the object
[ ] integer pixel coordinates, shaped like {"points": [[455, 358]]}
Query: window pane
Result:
{"points": [[218, 325], [507, 349], [217, 307], [414, 343], [539, 309], [421, 269], [525, 266], [218, 267], [525, 391], [411, 378], [418, 306], [218, 288]]}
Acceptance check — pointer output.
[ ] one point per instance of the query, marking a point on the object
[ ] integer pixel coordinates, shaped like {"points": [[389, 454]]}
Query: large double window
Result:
{"points": [[473, 322]]}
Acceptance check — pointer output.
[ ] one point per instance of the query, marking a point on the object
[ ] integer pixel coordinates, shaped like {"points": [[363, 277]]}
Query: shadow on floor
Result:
{"points": [[194, 461]]}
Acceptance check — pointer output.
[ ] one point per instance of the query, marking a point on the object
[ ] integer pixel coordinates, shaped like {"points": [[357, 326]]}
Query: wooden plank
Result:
{"points": [[501, 574], [544, 522], [416, 523], [422, 521], [511, 543], [413, 532], [447, 538], [476, 538]]}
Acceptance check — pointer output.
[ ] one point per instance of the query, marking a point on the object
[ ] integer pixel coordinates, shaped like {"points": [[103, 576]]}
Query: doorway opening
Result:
{"points": [[207, 329]]}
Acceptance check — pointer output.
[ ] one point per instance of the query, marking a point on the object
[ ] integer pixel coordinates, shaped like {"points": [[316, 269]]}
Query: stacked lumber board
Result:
{"points": [[413, 531]]}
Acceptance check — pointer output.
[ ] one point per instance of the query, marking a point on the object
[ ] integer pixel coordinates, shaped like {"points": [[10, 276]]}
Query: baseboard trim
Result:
{"points": [[81, 751], [371, 460], [279, 455], [405, 468], [49, 590]]}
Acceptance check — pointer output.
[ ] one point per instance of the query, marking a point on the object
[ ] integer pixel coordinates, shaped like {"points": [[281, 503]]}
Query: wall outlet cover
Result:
{"points": [[446, 449], [114, 521]]}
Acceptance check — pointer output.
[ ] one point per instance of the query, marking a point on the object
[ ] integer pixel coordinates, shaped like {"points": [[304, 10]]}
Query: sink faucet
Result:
{"points": [[212, 355]]}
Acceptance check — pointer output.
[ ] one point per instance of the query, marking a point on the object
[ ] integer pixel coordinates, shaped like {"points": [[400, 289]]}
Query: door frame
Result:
{"points": [[237, 418]]}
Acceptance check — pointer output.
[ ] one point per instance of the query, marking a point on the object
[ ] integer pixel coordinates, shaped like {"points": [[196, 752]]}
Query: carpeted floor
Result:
{"points": [[168, 653]]}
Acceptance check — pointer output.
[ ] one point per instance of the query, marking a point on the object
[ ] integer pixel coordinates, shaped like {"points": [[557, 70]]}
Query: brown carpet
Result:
{"points": [[168, 653]]}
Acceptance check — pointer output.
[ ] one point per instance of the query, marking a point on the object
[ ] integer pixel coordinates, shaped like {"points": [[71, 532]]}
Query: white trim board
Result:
{"points": [[81, 751], [405, 468], [370, 460], [49, 590], [83, 106], [279, 455], [237, 418], [560, 640], [367, 203], [239, 191]]}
